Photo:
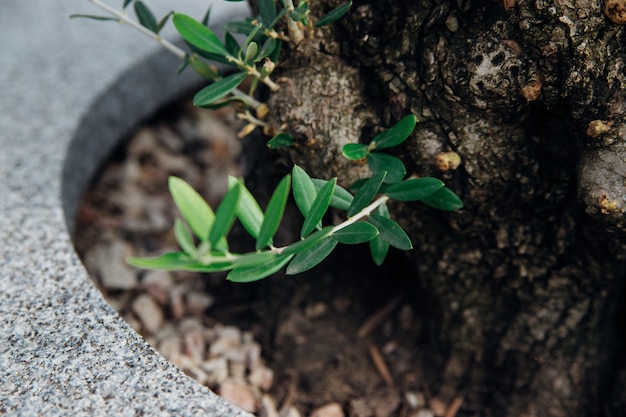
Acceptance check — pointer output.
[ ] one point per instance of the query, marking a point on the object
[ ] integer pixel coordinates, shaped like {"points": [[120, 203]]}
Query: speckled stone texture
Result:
{"points": [[63, 350]]}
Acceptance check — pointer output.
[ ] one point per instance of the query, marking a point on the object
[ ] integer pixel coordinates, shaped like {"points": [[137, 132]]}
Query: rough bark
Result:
{"points": [[526, 280]]}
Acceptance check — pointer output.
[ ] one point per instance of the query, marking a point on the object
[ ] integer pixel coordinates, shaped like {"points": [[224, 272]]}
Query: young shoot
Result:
{"points": [[203, 236]]}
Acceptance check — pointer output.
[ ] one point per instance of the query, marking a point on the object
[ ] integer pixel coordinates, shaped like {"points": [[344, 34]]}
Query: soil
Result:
{"points": [[346, 332]]}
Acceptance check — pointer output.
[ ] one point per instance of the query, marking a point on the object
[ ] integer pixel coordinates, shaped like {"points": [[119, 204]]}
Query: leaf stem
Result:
{"points": [[361, 214], [295, 33], [123, 18]]}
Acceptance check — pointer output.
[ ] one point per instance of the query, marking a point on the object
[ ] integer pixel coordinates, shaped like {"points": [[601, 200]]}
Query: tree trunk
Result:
{"points": [[526, 281]]}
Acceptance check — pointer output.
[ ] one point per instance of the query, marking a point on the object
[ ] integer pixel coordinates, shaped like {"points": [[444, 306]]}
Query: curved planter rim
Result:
{"points": [[63, 349]]}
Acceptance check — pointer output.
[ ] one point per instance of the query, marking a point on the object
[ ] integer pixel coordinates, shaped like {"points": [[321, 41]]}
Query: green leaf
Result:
{"points": [[310, 241], [367, 192], [444, 199], [311, 257], [202, 68], [196, 212], [218, 89], [318, 208], [379, 162], [413, 189], [198, 34], [341, 197], [300, 12], [279, 16], [184, 237], [177, 261], [253, 34], [251, 51], [241, 27], [92, 17], [355, 151], [257, 272], [207, 16], [248, 210], [334, 15], [225, 215], [281, 140], [304, 191], [266, 49], [359, 232], [254, 259], [391, 232], [146, 17], [358, 184], [231, 44], [397, 134], [274, 213], [267, 10], [126, 3], [379, 249], [163, 21]]}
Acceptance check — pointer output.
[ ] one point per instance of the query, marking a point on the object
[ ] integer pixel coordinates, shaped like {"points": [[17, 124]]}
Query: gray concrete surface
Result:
{"points": [[63, 350]]}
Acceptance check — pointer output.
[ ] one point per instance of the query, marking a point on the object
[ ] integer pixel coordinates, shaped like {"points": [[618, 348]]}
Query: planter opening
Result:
{"points": [[345, 334]]}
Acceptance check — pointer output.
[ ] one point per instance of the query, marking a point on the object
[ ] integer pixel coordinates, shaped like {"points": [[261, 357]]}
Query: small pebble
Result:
{"points": [[328, 410], [148, 312], [238, 394], [262, 377]]}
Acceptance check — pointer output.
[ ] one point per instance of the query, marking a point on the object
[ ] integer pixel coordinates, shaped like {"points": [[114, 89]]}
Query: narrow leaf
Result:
{"points": [[231, 44], [253, 34], [397, 134], [267, 48], [241, 27], [126, 3], [367, 192], [311, 257], [391, 232], [225, 215], [304, 191], [146, 17], [341, 197], [318, 208], [198, 34], [444, 199], [354, 151], [267, 10], [203, 69], [359, 232], [274, 213], [413, 189], [251, 51], [196, 212], [92, 17], [207, 16], [184, 237], [177, 261], [310, 241], [254, 259], [334, 15], [218, 89], [257, 272], [379, 249], [379, 162], [163, 21], [248, 211], [281, 140], [279, 16], [300, 12]]}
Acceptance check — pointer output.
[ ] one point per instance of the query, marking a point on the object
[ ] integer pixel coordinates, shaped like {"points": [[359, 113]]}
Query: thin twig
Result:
{"points": [[376, 319], [454, 408], [123, 18], [380, 365]]}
